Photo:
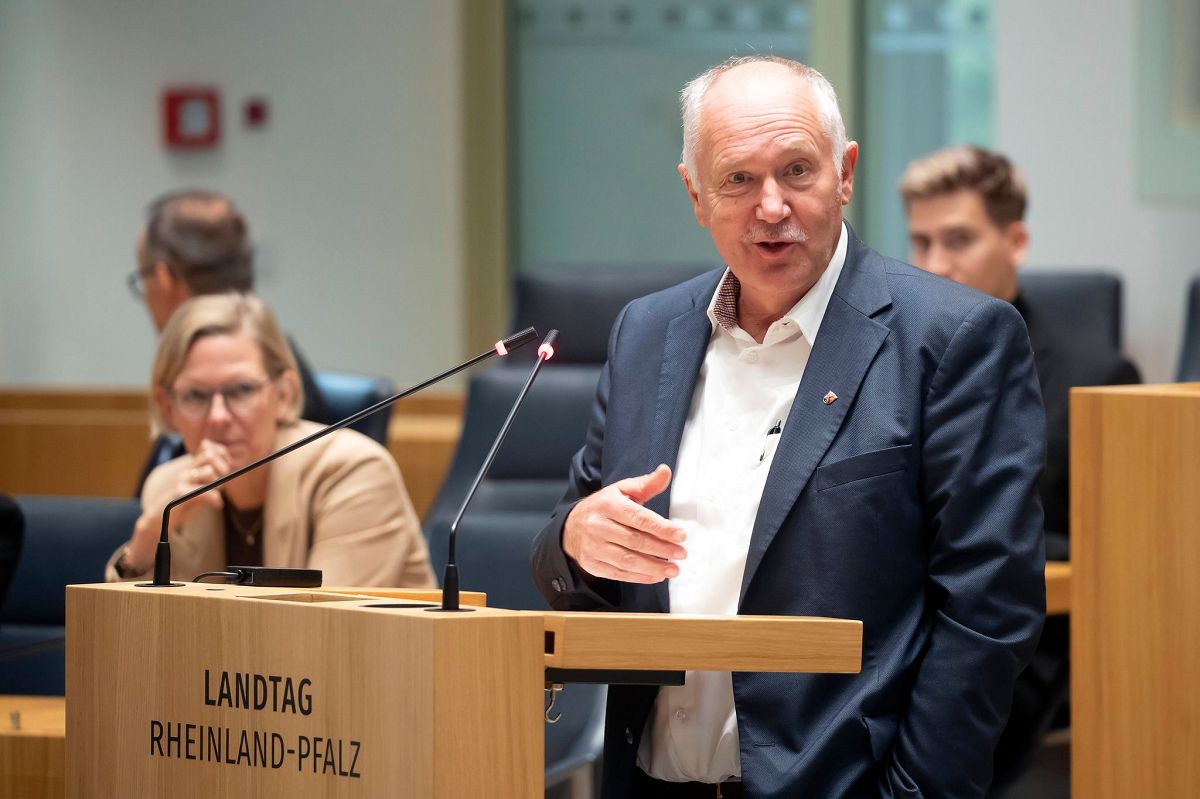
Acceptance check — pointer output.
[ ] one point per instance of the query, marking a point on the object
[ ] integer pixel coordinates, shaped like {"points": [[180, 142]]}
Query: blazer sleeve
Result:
{"points": [[561, 581], [365, 530], [983, 450]]}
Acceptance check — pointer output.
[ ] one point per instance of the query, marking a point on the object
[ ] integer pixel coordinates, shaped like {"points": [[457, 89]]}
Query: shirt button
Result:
{"points": [[752, 357], [681, 715], [628, 736]]}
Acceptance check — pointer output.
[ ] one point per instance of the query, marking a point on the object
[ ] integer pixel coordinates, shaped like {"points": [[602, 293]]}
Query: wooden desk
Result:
{"points": [[1058, 588], [32, 759], [1135, 601], [33, 754]]}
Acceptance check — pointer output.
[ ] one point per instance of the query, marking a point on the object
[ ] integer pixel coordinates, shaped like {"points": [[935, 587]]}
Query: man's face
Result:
{"points": [[164, 291], [952, 235], [766, 186]]}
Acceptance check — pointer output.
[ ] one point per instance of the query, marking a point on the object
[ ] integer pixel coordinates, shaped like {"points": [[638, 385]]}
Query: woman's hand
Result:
{"points": [[210, 461]]}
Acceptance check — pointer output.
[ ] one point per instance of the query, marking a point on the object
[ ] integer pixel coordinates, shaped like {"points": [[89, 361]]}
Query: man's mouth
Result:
{"points": [[773, 247]]}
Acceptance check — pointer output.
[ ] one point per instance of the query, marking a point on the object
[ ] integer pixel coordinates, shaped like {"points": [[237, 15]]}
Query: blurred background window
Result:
{"points": [[595, 122]]}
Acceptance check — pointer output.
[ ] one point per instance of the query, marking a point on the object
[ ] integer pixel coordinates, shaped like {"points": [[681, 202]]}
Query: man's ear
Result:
{"points": [[849, 161], [1017, 236], [694, 196], [172, 286]]}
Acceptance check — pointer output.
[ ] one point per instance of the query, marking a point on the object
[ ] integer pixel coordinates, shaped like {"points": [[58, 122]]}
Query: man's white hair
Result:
{"points": [[827, 105]]}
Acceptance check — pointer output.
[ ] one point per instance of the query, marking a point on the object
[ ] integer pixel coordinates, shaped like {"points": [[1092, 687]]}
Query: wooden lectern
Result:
{"points": [[208, 690], [1135, 595]]}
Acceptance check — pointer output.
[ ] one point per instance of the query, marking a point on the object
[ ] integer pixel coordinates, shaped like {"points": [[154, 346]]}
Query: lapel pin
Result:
{"points": [[829, 398]]}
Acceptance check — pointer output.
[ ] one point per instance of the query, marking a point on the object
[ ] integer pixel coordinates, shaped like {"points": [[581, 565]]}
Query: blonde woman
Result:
{"points": [[225, 380]]}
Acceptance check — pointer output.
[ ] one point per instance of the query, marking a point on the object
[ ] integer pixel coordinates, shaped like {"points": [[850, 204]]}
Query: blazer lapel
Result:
{"points": [[284, 543], [846, 344], [683, 353]]}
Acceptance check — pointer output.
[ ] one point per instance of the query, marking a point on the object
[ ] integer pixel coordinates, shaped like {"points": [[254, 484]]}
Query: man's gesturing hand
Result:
{"points": [[611, 535]]}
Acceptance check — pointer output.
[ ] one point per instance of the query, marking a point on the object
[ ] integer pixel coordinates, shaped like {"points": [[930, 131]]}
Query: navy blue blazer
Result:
{"points": [[909, 503]]}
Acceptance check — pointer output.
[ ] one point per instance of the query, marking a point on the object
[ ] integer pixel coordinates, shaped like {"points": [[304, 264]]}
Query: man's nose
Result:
{"points": [[772, 205], [938, 262]]}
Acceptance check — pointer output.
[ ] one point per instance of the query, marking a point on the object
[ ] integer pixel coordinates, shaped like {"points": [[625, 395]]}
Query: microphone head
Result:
{"points": [[546, 350], [516, 340]]}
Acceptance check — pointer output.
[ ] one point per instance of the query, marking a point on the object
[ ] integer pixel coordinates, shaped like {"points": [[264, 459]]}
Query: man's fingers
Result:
{"points": [[617, 563], [647, 486], [637, 540]]}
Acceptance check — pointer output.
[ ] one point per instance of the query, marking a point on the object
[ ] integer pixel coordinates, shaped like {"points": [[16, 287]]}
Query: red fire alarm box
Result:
{"points": [[191, 117]]}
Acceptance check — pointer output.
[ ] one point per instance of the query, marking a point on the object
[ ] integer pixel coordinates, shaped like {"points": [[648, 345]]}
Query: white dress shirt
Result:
{"points": [[742, 399]]}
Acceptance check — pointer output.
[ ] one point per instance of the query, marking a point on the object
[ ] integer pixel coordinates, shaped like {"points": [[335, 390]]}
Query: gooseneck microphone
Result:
{"points": [[450, 592], [162, 555]]}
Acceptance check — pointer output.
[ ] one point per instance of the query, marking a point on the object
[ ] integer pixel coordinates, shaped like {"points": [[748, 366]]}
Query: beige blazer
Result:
{"points": [[344, 493]]}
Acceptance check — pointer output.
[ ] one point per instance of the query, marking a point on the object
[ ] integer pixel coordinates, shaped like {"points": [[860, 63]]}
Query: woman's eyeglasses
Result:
{"points": [[239, 398]]}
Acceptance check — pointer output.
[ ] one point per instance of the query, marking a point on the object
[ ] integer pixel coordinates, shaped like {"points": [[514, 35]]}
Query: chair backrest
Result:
{"points": [[525, 482], [67, 540], [1189, 353], [346, 394], [1087, 302], [583, 302]]}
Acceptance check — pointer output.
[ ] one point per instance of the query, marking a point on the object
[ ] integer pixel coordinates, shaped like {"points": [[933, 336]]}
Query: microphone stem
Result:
{"points": [[450, 592]]}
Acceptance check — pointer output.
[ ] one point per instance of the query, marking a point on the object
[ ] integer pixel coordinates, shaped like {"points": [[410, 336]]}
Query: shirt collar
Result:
{"points": [[807, 313]]}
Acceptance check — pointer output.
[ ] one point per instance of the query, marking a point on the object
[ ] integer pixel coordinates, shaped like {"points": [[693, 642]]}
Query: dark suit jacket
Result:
{"points": [[1061, 364], [909, 503], [12, 534], [1043, 687]]}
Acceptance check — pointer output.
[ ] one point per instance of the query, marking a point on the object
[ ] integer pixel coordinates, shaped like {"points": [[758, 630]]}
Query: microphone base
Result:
{"points": [[449, 610], [159, 585]]}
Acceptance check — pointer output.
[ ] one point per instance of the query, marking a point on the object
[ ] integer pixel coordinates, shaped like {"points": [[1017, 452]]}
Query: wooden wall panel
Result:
{"points": [[93, 442], [1135, 596]]}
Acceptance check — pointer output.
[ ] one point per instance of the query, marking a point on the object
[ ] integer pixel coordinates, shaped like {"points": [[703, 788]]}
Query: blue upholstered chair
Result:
{"points": [[1087, 302], [67, 540], [583, 302], [346, 394], [1189, 354]]}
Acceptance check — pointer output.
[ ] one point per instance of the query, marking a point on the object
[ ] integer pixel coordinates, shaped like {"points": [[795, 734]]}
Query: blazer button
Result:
{"points": [[629, 736]]}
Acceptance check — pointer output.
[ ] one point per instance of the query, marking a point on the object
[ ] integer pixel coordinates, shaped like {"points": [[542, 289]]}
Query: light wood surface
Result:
{"points": [[471, 598], [1135, 596], [32, 747], [704, 643], [1058, 588], [73, 452], [93, 441], [431, 704], [434, 704]]}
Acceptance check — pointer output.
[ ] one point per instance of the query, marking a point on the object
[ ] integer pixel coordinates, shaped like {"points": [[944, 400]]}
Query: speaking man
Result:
{"points": [[815, 430]]}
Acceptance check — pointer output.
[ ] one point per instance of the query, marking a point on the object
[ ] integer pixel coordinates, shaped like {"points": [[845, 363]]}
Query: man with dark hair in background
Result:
{"points": [[197, 242], [966, 209]]}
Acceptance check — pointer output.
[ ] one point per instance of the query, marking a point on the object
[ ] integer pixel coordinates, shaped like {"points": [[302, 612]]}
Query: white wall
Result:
{"points": [[352, 190], [1066, 76]]}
